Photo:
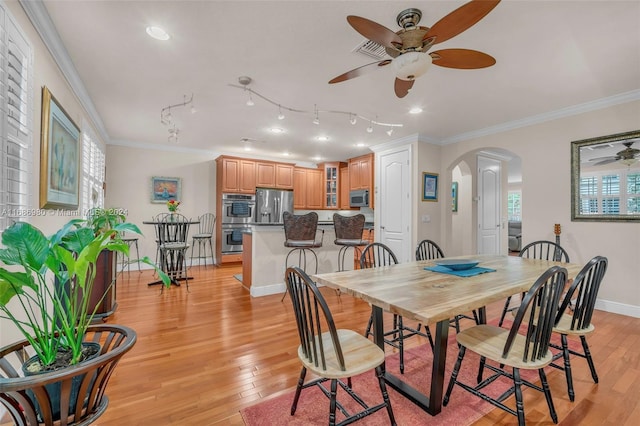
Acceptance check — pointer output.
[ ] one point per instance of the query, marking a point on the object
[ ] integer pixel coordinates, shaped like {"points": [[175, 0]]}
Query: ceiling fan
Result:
{"points": [[628, 156], [408, 47]]}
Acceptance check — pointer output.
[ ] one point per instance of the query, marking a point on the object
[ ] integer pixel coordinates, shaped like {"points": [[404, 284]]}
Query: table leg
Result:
{"points": [[431, 403]]}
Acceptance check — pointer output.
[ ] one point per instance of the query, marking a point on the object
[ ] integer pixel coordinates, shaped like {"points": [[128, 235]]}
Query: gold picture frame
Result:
{"points": [[59, 156]]}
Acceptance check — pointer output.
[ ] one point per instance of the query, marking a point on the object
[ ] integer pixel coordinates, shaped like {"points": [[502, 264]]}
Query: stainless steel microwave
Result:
{"points": [[359, 198]]}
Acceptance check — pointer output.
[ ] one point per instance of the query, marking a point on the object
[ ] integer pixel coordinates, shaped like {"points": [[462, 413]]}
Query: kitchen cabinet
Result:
{"points": [[284, 176], [343, 176], [235, 175], [331, 185], [307, 188], [361, 174], [274, 175]]}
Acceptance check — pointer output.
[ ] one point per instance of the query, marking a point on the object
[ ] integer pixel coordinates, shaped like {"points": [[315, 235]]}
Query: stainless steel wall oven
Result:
{"points": [[237, 214]]}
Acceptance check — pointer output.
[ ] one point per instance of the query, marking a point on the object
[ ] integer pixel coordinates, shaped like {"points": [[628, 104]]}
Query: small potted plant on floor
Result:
{"points": [[55, 319]]}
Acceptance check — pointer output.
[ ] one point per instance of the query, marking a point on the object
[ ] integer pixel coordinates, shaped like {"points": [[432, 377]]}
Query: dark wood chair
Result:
{"points": [[544, 250], [377, 255], [429, 250], [509, 348], [330, 353], [574, 317], [29, 400], [348, 231]]}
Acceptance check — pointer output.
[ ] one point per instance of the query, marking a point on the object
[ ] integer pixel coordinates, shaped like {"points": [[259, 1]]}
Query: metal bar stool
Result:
{"points": [[300, 235], [204, 236], [130, 240]]}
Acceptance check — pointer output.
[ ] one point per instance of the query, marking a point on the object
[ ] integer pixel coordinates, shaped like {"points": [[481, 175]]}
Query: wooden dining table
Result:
{"points": [[433, 298]]}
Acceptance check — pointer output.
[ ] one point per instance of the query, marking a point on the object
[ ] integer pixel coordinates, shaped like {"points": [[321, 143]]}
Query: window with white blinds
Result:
{"points": [[93, 166], [16, 122], [610, 192]]}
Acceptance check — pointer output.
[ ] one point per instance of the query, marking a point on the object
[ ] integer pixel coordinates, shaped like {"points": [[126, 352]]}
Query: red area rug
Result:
{"points": [[463, 408]]}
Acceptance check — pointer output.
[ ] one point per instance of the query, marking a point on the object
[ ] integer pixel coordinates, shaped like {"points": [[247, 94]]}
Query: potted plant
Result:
{"points": [[53, 321]]}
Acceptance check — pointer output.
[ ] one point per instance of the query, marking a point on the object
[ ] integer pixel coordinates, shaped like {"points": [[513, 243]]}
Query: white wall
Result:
{"points": [[129, 172], [546, 193]]}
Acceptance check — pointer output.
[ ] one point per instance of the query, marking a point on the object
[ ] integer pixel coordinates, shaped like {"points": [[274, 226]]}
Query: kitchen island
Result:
{"points": [[264, 260]]}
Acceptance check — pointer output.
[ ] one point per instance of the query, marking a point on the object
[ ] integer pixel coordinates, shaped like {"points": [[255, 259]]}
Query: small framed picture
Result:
{"points": [[429, 186], [454, 197], [164, 189]]}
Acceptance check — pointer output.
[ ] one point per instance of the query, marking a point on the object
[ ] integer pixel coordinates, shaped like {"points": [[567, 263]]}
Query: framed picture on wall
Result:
{"points": [[59, 156], [164, 189], [454, 197], [429, 186]]}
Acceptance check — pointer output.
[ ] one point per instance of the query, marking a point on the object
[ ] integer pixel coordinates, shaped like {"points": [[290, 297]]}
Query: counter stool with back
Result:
{"points": [[348, 234], [300, 235]]}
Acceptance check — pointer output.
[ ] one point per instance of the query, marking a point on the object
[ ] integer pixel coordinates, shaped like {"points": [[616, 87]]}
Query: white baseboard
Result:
{"points": [[618, 308], [266, 290]]}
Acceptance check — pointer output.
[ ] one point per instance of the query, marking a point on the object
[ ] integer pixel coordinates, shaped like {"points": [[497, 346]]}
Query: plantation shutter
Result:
{"points": [[16, 122], [93, 171]]}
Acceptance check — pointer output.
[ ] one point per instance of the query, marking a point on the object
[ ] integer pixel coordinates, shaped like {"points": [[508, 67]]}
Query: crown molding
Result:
{"points": [[41, 21], [621, 98]]}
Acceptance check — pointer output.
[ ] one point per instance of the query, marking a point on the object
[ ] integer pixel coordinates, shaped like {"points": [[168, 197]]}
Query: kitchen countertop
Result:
{"points": [[367, 225]]}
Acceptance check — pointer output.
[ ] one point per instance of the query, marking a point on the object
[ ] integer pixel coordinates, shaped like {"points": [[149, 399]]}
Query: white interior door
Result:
{"points": [[489, 171], [394, 203]]}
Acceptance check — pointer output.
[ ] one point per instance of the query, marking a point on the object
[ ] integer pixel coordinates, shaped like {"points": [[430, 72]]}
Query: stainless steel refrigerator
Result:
{"points": [[271, 204]]}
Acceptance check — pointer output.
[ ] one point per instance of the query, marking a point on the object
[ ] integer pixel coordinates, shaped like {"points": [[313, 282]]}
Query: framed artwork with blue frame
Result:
{"points": [[429, 186]]}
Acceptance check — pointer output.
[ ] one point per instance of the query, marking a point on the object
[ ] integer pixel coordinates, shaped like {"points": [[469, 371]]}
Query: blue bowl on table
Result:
{"points": [[458, 264]]}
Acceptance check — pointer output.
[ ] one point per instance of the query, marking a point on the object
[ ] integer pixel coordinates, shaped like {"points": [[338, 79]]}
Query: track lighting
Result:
{"points": [[389, 132], [353, 117], [166, 117]]}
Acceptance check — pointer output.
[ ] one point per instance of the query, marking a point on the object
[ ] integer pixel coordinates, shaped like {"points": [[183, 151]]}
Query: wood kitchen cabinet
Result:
{"points": [[331, 185], [361, 174], [274, 175], [307, 188], [236, 175], [343, 176]]}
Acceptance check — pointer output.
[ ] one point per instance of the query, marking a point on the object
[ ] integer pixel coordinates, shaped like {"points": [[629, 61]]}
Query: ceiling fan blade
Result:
{"points": [[375, 32], [607, 161], [402, 87], [462, 58], [460, 19], [357, 72]]}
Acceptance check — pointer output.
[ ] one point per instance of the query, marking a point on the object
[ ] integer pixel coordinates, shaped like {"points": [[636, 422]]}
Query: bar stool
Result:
{"points": [[130, 240], [300, 235], [204, 236], [348, 234]]}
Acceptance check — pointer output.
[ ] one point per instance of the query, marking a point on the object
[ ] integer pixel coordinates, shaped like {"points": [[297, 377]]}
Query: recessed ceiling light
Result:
{"points": [[360, 145], [276, 130], [323, 138], [415, 110], [286, 154], [158, 33], [317, 158]]}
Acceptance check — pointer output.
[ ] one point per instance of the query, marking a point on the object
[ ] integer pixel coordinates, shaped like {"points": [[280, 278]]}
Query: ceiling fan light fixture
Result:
{"points": [[629, 161], [411, 65]]}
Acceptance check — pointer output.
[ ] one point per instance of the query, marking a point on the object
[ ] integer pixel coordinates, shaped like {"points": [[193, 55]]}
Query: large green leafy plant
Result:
{"points": [[55, 317]]}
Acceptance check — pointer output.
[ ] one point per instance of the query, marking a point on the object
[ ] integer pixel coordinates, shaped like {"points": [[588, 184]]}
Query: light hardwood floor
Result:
{"points": [[204, 354]]}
